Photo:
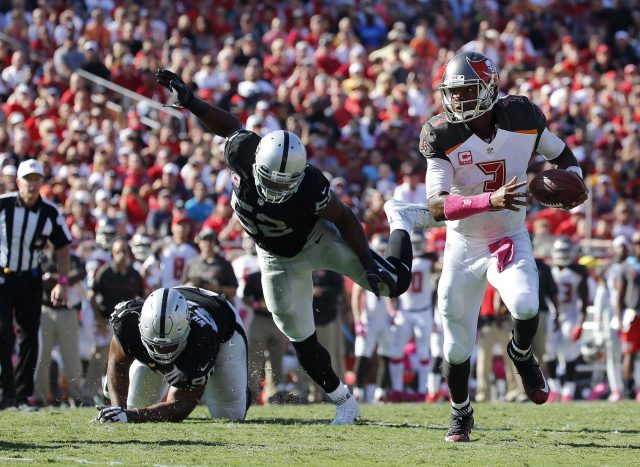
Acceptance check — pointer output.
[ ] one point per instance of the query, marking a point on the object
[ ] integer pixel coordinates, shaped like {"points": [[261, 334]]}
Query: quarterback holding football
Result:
{"points": [[478, 151]]}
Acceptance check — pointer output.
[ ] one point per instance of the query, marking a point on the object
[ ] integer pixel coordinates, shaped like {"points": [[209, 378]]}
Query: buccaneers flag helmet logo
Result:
{"points": [[484, 69]]}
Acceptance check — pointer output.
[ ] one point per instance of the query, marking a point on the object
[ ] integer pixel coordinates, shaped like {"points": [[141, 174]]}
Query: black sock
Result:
{"points": [[384, 378], [524, 331], [400, 255], [552, 368], [629, 388], [457, 377], [571, 373], [361, 369], [316, 361], [437, 366]]}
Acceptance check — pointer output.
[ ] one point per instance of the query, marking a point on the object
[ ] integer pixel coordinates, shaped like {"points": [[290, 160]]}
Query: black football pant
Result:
{"points": [[20, 294]]}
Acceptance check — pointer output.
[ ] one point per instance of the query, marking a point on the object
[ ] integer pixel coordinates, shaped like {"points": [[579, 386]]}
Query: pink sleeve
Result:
{"points": [[459, 207]]}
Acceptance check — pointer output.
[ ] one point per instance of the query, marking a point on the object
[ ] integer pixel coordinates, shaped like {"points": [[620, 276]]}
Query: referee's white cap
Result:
{"points": [[30, 166]]}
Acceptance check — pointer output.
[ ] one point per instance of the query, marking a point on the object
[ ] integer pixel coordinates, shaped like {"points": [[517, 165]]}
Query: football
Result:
{"points": [[557, 188]]}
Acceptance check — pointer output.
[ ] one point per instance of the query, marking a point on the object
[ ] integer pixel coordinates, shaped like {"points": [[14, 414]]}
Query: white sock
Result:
{"points": [[395, 371], [369, 393], [462, 405], [520, 351], [569, 389], [340, 394], [554, 386], [433, 383], [422, 372]]}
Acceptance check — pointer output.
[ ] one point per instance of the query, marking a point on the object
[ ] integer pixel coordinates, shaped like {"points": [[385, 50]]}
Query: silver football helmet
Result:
{"points": [[141, 246], [563, 252], [165, 324], [106, 232], [464, 70], [279, 167]]}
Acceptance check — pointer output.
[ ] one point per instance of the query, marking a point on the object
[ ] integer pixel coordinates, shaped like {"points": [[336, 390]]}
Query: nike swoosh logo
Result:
{"points": [[319, 238], [324, 191], [545, 389]]}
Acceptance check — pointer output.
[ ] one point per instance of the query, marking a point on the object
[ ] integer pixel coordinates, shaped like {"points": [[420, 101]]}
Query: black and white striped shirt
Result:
{"points": [[24, 231]]}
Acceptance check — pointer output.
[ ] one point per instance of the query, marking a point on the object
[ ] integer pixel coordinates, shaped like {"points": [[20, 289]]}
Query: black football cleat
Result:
{"points": [[460, 428], [534, 382]]}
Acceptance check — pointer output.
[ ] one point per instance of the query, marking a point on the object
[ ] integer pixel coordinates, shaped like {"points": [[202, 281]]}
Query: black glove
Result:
{"points": [[380, 280], [116, 415], [176, 86]]}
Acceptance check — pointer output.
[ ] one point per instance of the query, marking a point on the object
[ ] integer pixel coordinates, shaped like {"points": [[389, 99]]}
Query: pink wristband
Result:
{"points": [[459, 207], [63, 280]]}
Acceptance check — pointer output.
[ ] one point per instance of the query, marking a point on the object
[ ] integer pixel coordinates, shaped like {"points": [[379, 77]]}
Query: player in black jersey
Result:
{"points": [[299, 226], [186, 339]]}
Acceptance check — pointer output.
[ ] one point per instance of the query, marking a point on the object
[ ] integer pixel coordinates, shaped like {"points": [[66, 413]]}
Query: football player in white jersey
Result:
{"points": [[478, 151], [613, 346], [244, 265], [176, 255], [573, 298], [371, 317], [414, 318]]}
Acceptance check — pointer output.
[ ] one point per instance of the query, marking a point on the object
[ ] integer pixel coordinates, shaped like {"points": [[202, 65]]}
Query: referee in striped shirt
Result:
{"points": [[27, 221]]}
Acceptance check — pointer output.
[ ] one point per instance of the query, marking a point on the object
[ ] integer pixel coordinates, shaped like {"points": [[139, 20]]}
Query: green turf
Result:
{"points": [[399, 434]]}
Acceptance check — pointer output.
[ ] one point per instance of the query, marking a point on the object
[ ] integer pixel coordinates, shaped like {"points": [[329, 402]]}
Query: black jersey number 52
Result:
{"points": [[266, 225]]}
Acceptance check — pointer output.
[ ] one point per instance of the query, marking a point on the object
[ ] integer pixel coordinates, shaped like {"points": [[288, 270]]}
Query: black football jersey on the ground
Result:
{"points": [[212, 323], [518, 114], [281, 229]]}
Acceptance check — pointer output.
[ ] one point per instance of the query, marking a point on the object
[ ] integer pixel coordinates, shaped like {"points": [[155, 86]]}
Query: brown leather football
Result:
{"points": [[557, 188]]}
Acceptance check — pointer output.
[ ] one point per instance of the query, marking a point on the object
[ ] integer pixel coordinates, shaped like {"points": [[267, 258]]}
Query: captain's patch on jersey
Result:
{"points": [[465, 158]]}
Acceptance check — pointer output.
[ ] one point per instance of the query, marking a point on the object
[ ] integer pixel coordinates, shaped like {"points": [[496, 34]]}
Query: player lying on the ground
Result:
{"points": [[184, 339]]}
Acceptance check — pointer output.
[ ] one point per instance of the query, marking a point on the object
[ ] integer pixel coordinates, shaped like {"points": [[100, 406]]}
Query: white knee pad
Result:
{"points": [[456, 353], [524, 307]]}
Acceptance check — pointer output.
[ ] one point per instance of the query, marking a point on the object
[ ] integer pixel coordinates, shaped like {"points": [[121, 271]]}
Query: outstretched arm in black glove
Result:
{"points": [[381, 282], [218, 121]]}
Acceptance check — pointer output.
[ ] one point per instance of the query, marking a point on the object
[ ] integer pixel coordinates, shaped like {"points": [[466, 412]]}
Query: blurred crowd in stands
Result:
{"points": [[355, 79]]}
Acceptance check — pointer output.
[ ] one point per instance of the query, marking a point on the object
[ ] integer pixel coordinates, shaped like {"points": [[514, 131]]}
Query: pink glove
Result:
{"points": [[361, 329]]}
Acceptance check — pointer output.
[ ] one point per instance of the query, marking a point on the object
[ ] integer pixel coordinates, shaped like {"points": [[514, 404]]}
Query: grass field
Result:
{"points": [[399, 434]]}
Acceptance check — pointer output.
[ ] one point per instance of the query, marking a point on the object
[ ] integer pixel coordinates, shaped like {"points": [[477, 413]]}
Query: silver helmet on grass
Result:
{"points": [[279, 167], [165, 324], [469, 69]]}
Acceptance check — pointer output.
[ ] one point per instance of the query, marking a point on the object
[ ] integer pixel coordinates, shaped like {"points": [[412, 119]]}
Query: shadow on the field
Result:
{"points": [[590, 430], [65, 443], [599, 446], [287, 421]]}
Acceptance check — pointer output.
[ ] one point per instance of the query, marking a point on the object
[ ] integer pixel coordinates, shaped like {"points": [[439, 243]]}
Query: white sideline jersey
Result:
{"points": [[568, 281], [419, 295], [173, 260]]}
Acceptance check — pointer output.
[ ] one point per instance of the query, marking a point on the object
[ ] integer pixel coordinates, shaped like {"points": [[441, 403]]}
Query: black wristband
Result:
{"points": [[197, 106], [132, 416]]}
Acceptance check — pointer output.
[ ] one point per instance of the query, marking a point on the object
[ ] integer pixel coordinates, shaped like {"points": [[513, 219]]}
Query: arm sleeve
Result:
{"points": [[549, 145], [60, 235], [439, 176]]}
